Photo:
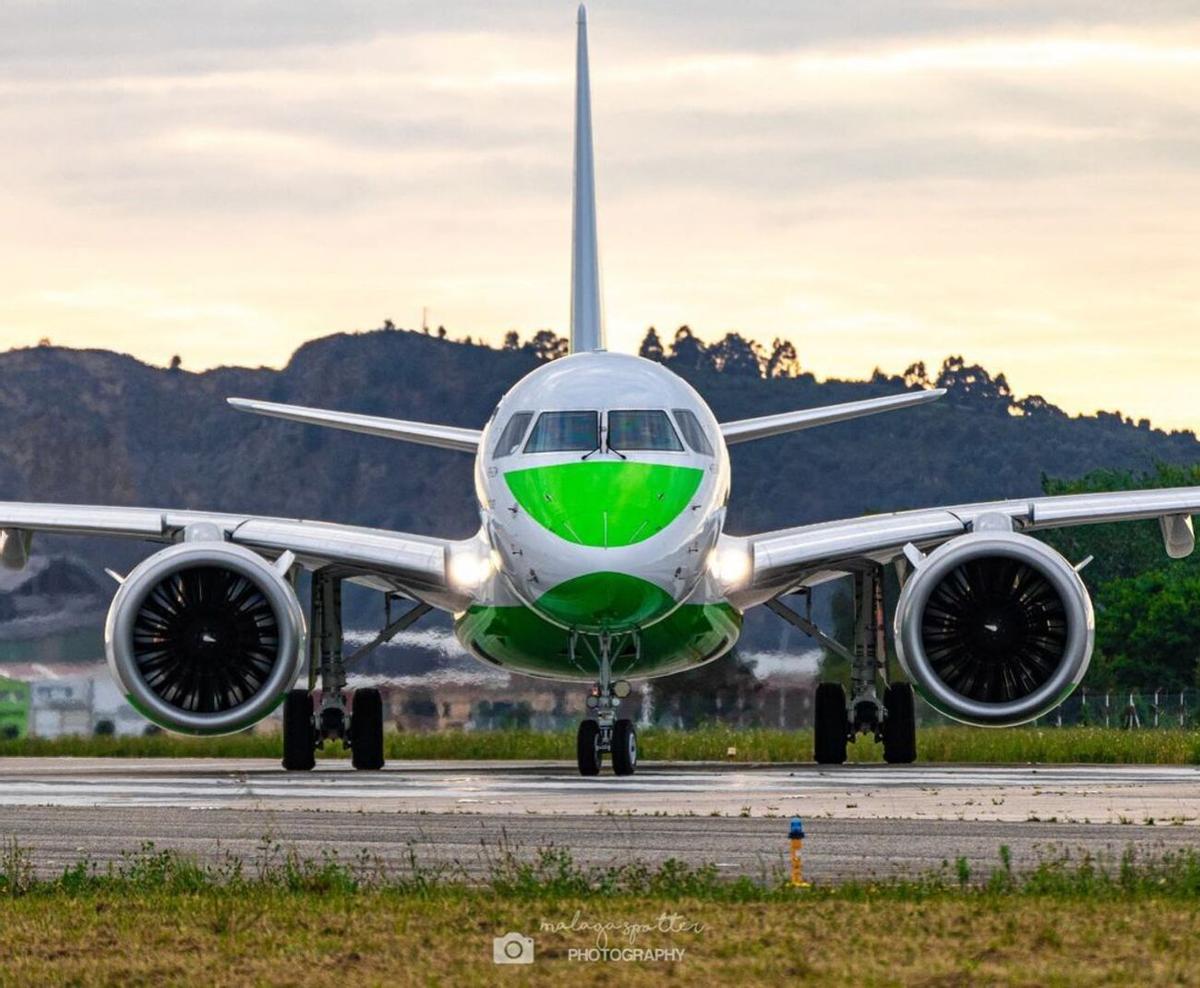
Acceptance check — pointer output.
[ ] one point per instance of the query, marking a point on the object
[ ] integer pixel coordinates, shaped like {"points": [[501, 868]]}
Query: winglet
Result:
{"points": [[587, 317]]}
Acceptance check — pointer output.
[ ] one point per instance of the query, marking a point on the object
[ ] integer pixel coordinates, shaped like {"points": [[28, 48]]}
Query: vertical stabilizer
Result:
{"points": [[587, 320]]}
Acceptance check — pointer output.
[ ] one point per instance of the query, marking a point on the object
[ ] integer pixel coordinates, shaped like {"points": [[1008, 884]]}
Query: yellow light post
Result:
{"points": [[796, 837]]}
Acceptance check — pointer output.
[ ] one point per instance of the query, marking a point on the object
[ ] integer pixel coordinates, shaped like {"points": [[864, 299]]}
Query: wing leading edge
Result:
{"points": [[414, 565], [794, 557]]}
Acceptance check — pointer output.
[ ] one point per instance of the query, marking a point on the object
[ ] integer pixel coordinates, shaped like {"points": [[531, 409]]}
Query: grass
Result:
{"points": [[161, 918], [935, 744]]}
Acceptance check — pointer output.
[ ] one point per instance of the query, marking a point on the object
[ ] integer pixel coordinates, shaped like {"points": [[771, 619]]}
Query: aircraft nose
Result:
{"points": [[612, 601], [604, 503]]}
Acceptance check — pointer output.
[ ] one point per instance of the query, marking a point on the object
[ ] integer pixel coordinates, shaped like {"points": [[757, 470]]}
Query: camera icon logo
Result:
{"points": [[512, 948]]}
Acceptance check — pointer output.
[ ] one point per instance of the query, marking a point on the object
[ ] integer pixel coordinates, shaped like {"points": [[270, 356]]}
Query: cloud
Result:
{"points": [[880, 182]]}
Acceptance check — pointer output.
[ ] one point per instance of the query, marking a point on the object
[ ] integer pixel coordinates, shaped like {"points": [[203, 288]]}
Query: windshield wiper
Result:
{"points": [[613, 449], [590, 453]]}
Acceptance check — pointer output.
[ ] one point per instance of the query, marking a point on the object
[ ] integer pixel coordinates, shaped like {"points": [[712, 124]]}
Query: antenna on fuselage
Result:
{"points": [[587, 319]]}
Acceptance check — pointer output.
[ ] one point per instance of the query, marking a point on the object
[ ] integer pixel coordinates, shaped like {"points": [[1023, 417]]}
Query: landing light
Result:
{"points": [[467, 570], [729, 565]]}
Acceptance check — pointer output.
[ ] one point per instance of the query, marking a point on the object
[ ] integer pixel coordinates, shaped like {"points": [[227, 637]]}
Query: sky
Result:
{"points": [[880, 182]]}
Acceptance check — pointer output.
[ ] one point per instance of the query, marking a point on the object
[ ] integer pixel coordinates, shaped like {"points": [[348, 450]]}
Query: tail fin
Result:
{"points": [[587, 319]]}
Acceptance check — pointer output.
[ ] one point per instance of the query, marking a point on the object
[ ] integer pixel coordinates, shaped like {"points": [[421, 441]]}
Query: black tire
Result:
{"points": [[587, 748], [899, 725], [366, 730], [299, 736], [830, 726], [624, 748]]}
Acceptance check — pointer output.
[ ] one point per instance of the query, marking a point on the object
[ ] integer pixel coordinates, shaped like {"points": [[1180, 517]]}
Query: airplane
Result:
{"points": [[602, 482]]}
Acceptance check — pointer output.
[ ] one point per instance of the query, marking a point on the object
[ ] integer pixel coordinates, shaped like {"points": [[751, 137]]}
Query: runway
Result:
{"points": [[862, 820]]}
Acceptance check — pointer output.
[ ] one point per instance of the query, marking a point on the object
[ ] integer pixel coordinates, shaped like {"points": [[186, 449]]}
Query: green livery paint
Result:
{"points": [[604, 503], [519, 638], [611, 601], [14, 708]]}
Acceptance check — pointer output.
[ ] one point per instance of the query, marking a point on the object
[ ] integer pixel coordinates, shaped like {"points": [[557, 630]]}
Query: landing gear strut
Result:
{"points": [[606, 734], [362, 729], [890, 720]]}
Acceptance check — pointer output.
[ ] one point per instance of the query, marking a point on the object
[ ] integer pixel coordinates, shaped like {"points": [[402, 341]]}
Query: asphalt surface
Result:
{"points": [[861, 820]]}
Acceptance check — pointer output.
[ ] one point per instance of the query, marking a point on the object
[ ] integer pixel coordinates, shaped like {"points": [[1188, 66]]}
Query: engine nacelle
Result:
{"points": [[205, 637], [994, 628]]}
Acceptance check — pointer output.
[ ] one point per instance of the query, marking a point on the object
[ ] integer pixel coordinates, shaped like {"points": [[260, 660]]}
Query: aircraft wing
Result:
{"points": [[785, 560], [414, 565]]}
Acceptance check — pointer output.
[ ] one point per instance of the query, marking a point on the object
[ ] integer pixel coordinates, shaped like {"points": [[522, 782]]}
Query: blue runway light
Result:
{"points": [[797, 830]]}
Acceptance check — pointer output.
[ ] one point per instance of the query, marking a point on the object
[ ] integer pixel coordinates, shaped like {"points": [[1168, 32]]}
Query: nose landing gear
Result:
{"points": [[606, 734]]}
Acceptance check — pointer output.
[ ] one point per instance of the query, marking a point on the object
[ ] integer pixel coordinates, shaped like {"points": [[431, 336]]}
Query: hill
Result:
{"points": [[100, 427], [96, 426]]}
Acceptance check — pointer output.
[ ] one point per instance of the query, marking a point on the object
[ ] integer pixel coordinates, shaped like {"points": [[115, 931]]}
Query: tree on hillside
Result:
{"points": [[1033, 405], [916, 376], [688, 351], [512, 340], [783, 361], [964, 380], [734, 354], [652, 348], [548, 345], [1148, 630]]}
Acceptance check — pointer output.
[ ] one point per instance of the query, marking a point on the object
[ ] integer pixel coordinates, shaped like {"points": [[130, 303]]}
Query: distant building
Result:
{"points": [[69, 699], [61, 706]]}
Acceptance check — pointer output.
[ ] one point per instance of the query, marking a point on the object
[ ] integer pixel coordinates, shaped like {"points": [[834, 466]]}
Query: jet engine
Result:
{"points": [[994, 628], [205, 637]]}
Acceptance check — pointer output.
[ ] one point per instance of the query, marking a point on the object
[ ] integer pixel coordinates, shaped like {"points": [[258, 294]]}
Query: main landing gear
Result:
{"points": [[606, 733], [360, 728], [891, 720]]}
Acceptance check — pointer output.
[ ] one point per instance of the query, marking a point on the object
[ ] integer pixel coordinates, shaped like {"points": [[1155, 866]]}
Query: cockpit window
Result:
{"points": [[559, 431], [693, 434], [514, 432], [641, 430]]}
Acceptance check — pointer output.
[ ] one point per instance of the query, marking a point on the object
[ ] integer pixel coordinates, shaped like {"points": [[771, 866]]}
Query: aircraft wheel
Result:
{"points": [[830, 728], [299, 735], [624, 748], [899, 725], [366, 730], [587, 747]]}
